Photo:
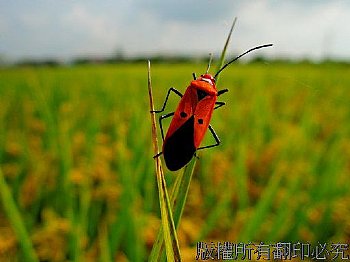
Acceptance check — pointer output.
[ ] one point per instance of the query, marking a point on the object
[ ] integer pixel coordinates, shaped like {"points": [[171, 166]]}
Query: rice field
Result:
{"points": [[78, 180]]}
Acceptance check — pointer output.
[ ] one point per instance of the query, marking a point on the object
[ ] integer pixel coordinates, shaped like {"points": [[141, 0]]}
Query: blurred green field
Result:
{"points": [[76, 152]]}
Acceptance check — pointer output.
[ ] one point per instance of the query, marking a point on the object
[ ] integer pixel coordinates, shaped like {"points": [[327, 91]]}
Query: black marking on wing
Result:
{"points": [[179, 149], [183, 114]]}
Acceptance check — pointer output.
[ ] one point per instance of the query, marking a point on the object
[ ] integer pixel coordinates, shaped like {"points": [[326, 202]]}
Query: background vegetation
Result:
{"points": [[76, 154]]}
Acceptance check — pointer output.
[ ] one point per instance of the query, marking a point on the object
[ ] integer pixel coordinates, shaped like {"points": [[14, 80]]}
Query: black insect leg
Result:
{"points": [[222, 91], [161, 124], [167, 115], [212, 131], [157, 155], [219, 104], [217, 139], [161, 128], [166, 99]]}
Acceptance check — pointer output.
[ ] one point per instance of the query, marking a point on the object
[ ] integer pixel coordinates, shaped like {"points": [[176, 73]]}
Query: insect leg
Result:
{"points": [[222, 91], [219, 104], [217, 139], [161, 128], [161, 124], [157, 155], [212, 131], [166, 99]]}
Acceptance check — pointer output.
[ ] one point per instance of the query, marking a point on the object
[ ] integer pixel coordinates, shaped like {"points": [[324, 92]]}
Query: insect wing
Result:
{"points": [[178, 146], [184, 111], [202, 117]]}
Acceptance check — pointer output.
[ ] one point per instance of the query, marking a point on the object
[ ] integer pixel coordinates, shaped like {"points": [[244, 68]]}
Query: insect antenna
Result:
{"points": [[209, 63], [246, 52]]}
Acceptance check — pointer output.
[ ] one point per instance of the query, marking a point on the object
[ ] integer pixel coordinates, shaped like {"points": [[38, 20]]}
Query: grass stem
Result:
{"points": [[16, 220], [171, 242]]}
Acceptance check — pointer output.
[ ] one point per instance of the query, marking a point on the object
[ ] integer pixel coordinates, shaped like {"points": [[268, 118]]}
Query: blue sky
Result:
{"points": [[67, 29]]}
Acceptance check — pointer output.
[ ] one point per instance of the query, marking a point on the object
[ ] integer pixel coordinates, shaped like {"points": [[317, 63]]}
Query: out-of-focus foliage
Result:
{"points": [[75, 149]]}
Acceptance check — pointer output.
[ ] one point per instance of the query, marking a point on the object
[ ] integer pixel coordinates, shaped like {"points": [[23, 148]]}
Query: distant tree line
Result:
{"points": [[50, 62]]}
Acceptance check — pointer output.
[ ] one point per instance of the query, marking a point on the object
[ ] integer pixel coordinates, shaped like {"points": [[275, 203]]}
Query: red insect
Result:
{"points": [[192, 118]]}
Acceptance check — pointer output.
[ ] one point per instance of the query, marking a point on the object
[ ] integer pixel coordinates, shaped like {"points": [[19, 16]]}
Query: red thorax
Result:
{"points": [[205, 83]]}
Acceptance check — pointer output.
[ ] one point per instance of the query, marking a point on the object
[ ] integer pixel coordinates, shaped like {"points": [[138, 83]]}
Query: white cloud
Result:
{"points": [[297, 30], [70, 28], [194, 11], [94, 33]]}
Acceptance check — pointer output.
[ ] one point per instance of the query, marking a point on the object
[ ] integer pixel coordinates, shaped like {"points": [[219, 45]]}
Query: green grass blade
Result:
{"points": [[171, 242], [16, 220], [213, 218], [104, 245], [282, 212], [182, 183], [178, 199], [242, 177], [223, 53], [180, 191], [262, 208]]}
